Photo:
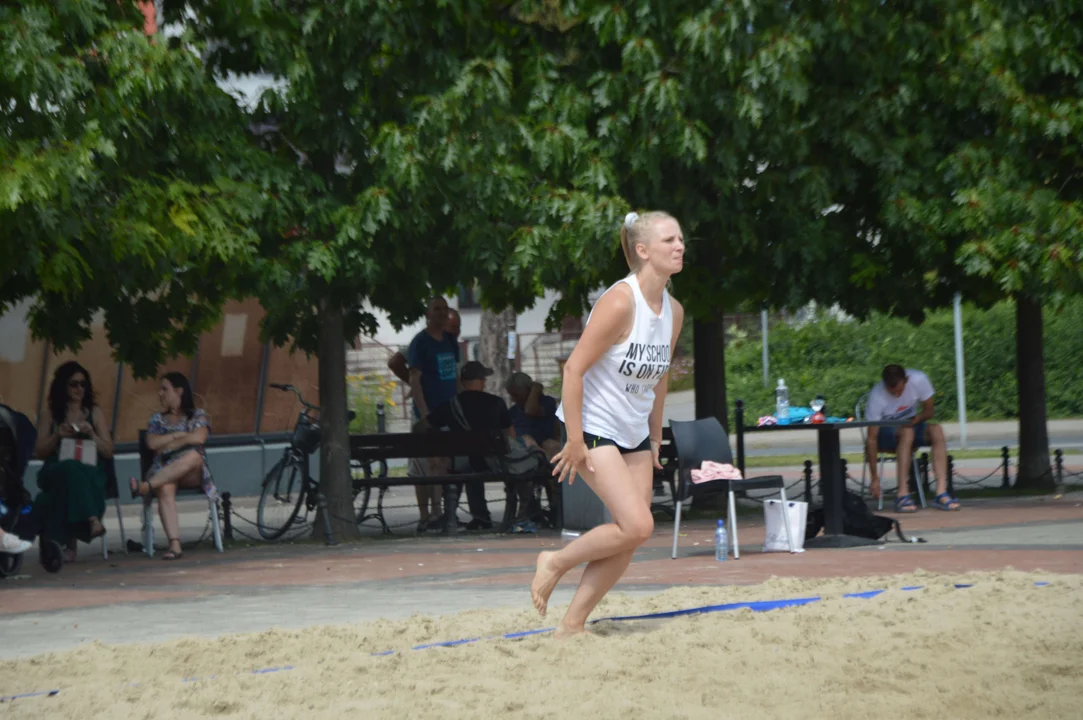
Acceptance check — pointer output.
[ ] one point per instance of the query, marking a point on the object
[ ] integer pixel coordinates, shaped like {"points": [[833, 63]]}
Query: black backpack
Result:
{"points": [[857, 520]]}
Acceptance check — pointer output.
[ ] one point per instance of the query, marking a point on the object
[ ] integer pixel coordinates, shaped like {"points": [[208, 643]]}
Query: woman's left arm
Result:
{"points": [[99, 431], [200, 426], [654, 422]]}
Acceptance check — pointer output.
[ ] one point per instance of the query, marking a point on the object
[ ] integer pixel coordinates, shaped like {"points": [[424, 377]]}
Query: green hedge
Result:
{"points": [[842, 360]]}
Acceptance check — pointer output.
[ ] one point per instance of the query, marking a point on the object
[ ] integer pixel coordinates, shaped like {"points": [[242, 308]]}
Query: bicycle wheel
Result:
{"points": [[280, 501]]}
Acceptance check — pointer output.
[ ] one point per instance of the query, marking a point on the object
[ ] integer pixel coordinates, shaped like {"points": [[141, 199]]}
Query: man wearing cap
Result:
{"points": [[482, 411]]}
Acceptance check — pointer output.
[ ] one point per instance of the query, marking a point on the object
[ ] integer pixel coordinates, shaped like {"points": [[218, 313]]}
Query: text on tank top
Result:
{"points": [[618, 390]]}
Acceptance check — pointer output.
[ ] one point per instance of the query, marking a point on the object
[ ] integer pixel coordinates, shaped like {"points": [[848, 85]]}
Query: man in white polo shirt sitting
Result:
{"points": [[906, 395]]}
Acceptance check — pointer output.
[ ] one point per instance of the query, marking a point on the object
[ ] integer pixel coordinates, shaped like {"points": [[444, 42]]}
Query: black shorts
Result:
{"points": [[595, 441]]}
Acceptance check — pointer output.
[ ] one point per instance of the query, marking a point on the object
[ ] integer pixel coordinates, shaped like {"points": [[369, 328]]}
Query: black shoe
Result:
{"points": [[422, 527], [436, 523], [478, 524]]}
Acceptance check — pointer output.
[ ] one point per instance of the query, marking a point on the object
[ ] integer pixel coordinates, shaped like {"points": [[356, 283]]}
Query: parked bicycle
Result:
{"points": [[290, 485]]}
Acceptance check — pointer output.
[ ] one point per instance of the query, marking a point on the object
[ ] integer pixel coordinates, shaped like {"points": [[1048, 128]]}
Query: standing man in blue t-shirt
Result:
{"points": [[433, 358]]}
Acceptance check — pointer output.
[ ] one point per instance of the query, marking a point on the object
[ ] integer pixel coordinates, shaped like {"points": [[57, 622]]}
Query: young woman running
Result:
{"points": [[614, 388]]}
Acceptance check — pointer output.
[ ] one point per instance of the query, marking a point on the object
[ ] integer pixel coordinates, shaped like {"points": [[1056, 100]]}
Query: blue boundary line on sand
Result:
{"points": [[754, 605]]}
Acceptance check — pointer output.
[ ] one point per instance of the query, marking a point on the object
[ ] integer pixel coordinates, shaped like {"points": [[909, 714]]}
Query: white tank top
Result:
{"points": [[618, 390]]}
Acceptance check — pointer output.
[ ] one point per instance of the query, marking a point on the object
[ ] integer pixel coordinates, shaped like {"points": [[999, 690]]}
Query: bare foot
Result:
{"points": [[563, 633], [546, 578], [96, 528]]}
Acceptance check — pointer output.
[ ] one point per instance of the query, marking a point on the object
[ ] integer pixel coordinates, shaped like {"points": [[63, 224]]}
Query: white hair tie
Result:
{"points": [[630, 218]]}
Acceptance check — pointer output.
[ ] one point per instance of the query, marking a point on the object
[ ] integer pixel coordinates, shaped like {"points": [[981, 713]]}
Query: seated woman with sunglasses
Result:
{"points": [[72, 497], [176, 437]]}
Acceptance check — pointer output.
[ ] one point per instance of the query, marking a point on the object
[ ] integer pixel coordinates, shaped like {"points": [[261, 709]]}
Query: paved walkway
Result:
{"points": [[248, 589]]}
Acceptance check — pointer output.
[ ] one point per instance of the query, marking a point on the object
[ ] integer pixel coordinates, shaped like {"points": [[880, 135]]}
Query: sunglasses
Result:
{"points": [[77, 383]]}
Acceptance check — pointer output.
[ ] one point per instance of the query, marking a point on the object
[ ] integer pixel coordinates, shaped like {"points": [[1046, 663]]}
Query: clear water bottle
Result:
{"points": [[782, 403], [720, 542], [567, 537]]}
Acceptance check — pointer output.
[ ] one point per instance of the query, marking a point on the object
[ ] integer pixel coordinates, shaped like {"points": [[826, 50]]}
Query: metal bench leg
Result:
{"points": [[364, 516], [216, 528], [451, 508], [733, 526], [509, 507], [380, 511]]}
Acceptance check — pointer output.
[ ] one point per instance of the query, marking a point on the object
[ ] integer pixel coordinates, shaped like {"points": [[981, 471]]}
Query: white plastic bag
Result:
{"points": [[775, 540]]}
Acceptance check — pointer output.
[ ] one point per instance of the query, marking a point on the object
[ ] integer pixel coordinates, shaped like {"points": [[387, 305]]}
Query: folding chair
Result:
{"points": [[112, 492], [146, 457], [885, 456], [706, 439]]}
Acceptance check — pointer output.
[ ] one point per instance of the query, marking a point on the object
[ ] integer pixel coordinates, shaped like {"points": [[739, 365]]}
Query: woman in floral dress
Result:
{"points": [[176, 436]]}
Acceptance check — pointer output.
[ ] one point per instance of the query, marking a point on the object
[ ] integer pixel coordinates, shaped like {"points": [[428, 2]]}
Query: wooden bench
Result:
{"points": [[369, 450]]}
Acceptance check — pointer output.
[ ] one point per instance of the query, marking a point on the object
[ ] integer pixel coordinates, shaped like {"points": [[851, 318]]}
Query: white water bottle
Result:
{"points": [[720, 542], [782, 403]]}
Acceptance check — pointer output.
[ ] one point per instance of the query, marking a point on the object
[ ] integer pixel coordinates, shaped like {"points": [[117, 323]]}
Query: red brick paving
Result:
{"points": [[508, 561], [22, 600]]}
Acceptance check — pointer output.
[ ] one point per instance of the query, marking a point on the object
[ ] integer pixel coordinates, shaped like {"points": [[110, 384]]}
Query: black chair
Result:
{"points": [[706, 439]]}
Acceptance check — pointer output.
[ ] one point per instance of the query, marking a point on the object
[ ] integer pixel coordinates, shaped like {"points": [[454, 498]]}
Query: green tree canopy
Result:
{"points": [[427, 144], [989, 196], [123, 181]]}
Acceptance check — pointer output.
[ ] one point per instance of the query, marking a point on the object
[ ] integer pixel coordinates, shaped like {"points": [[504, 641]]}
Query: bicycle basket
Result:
{"points": [[306, 436]]}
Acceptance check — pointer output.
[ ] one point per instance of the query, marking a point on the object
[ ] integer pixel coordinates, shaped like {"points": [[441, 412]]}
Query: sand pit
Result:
{"points": [[1003, 647]]}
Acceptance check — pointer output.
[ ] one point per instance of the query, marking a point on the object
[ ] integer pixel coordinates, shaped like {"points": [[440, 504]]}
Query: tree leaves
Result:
{"points": [[120, 178]]}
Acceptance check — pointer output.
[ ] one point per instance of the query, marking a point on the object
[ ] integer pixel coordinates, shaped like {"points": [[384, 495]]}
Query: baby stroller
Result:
{"points": [[17, 438]]}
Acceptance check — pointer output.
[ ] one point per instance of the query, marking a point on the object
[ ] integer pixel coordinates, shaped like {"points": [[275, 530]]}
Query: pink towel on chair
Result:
{"points": [[715, 471]]}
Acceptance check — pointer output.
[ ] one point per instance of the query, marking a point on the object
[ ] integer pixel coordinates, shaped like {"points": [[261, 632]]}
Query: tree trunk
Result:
{"points": [[493, 348], [1034, 468], [335, 445], [709, 368]]}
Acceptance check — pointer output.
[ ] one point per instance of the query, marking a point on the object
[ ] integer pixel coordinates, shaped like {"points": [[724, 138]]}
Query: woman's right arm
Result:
{"points": [[48, 441], [611, 320]]}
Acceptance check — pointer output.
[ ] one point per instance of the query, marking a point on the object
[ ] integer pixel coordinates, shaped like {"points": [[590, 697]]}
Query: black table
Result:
{"points": [[830, 475]]}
